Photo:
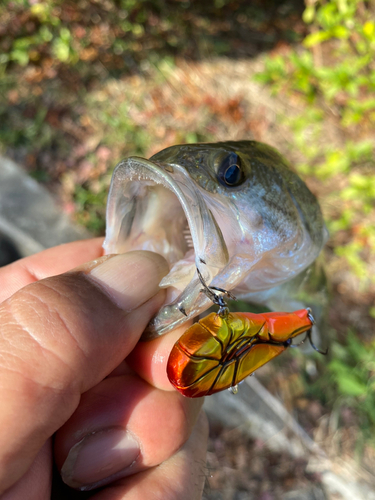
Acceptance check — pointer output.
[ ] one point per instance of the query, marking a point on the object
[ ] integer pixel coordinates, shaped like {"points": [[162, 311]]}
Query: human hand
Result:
{"points": [[63, 340]]}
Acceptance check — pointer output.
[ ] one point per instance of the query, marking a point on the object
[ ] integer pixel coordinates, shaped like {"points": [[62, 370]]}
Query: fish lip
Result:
{"points": [[210, 251]]}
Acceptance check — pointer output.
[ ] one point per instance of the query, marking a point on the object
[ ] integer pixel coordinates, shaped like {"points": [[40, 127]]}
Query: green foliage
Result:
{"points": [[117, 126], [50, 32], [333, 79], [348, 382], [90, 206], [352, 368], [48, 35]]}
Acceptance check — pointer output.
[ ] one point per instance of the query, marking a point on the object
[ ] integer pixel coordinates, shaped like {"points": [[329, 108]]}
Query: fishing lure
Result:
{"points": [[222, 349]]}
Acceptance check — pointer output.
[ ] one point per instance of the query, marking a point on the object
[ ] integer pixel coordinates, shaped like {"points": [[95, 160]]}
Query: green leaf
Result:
{"points": [[328, 15], [350, 385], [61, 50], [65, 34], [316, 38], [340, 32], [21, 56], [309, 14], [362, 353], [46, 34], [369, 29]]}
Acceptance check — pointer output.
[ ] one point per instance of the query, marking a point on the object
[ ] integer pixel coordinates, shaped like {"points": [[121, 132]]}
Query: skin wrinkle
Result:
{"points": [[36, 383], [13, 370], [45, 353], [31, 379], [68, 296], [6, 355], [53, 386], [72, 397], [78, 292], [30, 274], [69, 333], [203, 469], [37, 391], [36, 483]]}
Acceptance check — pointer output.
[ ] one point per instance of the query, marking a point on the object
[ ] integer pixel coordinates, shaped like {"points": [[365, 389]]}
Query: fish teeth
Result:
{"points": [[188, 238]]}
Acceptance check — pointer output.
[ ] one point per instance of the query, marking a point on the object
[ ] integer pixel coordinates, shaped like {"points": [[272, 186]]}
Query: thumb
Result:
{"points": [[61, 336]]}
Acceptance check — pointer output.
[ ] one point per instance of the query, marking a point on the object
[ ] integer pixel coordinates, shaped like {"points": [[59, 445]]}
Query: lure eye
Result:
{"points": [[230, 170]]}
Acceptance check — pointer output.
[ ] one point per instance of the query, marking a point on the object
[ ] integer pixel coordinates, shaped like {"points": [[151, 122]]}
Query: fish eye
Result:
{"points": [[230, 170]]}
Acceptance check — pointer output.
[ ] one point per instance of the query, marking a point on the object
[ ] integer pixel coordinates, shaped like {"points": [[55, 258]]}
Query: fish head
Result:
{"points": [[234, 210]]}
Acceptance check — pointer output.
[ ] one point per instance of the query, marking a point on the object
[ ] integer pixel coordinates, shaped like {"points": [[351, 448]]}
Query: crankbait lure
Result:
{"points": [[222, 349]]}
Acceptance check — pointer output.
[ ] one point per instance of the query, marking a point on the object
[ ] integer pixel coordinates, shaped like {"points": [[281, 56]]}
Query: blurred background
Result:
{"points": [[86, 83]]}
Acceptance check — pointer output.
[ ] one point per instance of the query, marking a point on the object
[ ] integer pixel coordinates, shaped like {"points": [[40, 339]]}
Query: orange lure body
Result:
{"points": [[218, 352]]}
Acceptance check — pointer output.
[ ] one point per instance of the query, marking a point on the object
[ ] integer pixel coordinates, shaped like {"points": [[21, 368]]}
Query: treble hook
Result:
{"points": [[312, 319], [218, 300], [308, 335]]}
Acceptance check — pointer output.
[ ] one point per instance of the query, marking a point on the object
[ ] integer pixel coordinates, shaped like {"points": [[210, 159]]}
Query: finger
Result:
{"points": [[47, 263], [121, 427], [149, 359], [181, 477], [36, 483], [61, 336], [50, 262]]}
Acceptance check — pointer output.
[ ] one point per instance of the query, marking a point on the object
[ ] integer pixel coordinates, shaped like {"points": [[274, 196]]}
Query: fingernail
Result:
{"points": [[100, 457], [130, 279]]}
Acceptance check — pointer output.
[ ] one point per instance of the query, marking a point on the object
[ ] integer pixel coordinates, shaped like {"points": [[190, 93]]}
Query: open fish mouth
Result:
{"points": [[233, 210], [158, 207]]}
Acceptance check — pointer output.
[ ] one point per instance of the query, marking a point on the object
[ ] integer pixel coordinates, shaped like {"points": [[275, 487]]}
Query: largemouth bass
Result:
{"points": [[234, 210]]}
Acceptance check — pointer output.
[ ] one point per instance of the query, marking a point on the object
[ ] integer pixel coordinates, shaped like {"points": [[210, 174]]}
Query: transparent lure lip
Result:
{"points": [[209, 247]]}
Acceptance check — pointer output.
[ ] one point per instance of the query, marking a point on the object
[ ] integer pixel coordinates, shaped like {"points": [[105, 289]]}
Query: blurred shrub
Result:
{"points": [[42, 31], [331, 79], [349, 384], [118, 35]]}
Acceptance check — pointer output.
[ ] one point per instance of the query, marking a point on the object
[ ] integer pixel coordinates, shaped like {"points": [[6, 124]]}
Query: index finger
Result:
{"points": [[48, 263]]}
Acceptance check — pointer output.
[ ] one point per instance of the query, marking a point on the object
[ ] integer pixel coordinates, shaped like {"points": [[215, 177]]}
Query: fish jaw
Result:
{"points": [[150, 205]]}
